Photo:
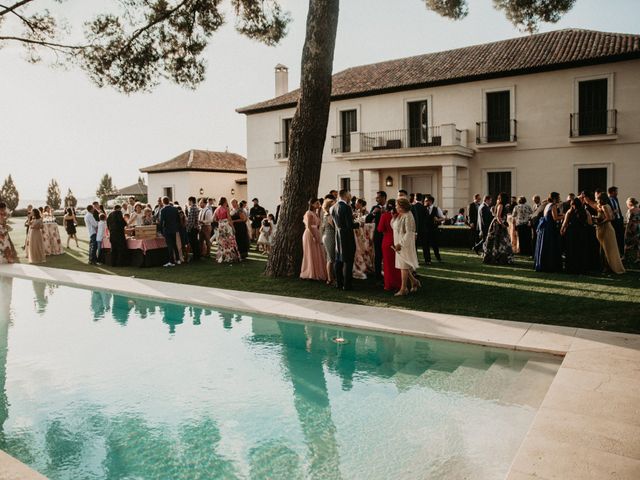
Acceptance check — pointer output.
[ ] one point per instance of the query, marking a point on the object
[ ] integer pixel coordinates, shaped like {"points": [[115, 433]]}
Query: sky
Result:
{"points": [[54, 123]]}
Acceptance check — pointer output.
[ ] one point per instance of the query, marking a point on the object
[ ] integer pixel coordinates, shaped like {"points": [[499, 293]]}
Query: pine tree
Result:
{"points": [[9, 194], [141, 180], [54, 199], [105, 188], [70, 200]]}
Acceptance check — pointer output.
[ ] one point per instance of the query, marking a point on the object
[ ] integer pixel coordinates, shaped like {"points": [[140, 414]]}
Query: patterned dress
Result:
{"points": [[497, 248], [227, 247], [7, 250], [632, 239]]}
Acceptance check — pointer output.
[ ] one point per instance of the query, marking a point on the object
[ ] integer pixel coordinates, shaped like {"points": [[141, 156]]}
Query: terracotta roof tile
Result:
{"points": [[201, 160], [539, 52]]}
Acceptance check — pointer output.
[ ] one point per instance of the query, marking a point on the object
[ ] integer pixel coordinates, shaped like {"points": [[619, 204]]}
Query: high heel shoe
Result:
{"points": [[416, 286], [401, 293]]}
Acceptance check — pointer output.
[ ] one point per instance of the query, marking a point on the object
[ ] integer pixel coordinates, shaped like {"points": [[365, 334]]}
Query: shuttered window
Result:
{"points": [[498, 116], [498, 182], [418, 124], [592, 107], [348, 124], [592, 179]]}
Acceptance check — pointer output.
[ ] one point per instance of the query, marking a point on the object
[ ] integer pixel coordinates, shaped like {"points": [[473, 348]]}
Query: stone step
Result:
{"points": [[532, 383]]}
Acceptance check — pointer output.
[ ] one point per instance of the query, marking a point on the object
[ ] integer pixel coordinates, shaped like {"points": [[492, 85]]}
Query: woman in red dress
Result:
{"points": [[392, 277]]}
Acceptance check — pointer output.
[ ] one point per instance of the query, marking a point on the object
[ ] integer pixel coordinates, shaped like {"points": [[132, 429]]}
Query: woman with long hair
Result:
{"points": [[392, 275], [239, 221], [314, 262], [70, 222], [607, 235], [575, 230], [328, 232], [136, 215], [404, 239], [35, 250], [227, 246], [497, 248], [632, 233], [548, 255]]}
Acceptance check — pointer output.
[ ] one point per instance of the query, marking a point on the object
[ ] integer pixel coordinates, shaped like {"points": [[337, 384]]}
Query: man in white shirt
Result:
{"points": [[92, 229], [205, 218]]}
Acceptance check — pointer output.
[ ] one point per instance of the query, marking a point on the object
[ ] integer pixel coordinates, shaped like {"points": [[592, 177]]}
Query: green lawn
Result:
{"points": [[461, 285]]}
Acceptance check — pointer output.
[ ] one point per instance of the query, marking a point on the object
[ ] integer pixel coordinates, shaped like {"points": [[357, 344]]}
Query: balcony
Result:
{"points": [[593, 125], [393, 140], [497, 133], [281, 150]]}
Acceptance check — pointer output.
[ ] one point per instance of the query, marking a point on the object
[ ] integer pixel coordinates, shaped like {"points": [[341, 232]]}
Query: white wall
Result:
{"points": [[544, 158], [185, 184]]}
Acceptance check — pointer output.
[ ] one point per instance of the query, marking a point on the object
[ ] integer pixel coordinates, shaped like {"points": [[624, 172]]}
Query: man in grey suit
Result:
{"points": [[472, 219], [345, 240], [484, 221]]}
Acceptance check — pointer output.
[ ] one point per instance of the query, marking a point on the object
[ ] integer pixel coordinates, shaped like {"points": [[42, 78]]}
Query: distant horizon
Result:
{"points": [[57, 124]]}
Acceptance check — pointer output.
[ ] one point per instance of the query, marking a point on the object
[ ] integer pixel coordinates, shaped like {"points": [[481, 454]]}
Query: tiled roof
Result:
{"points": [[202, 161], [135, 189], [516, 56]]}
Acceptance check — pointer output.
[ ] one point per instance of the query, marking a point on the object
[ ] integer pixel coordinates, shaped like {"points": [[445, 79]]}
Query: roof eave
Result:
{"points": [[456, 80], [214, 170]]}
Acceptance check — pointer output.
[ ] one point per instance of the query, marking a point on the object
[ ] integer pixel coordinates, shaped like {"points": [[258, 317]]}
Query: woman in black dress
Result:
{"points": [[116, 225], [239, 221], [70, 223], [575, 230]]}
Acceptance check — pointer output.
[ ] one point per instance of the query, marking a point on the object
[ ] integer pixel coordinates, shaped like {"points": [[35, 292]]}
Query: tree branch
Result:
{"points": [[14, 6], [44, 43], [21, 17]]}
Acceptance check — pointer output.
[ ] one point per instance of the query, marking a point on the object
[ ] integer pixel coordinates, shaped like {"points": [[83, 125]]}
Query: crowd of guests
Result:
{"points": [[585, 233]]}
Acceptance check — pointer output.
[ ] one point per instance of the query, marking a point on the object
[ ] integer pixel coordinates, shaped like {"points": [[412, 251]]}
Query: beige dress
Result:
{"points": [[607, 238], [404, 234], [35, 250]]}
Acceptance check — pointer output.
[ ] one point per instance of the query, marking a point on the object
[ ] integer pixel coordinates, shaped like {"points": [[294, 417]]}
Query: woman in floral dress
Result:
{"points": [[632, 234], [497, 248], [7, 250], [227, 247]]}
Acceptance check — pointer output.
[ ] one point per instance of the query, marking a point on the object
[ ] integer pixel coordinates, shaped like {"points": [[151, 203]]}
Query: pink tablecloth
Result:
{"points": [[140, 244]]}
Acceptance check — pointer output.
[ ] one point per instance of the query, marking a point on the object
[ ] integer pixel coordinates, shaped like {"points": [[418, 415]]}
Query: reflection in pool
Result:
{"points": [[98, 385]]}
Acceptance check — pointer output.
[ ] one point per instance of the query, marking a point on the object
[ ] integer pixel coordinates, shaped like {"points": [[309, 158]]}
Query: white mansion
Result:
{"points": [[557, 111]]}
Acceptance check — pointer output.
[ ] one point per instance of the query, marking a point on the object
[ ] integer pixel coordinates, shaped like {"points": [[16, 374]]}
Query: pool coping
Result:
{"points": [[587, 427]]}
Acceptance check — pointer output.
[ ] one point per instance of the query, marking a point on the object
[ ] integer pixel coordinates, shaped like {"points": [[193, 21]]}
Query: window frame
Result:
{"points": [[485, 179], [512, 110], [610, 77], [339, 111]]}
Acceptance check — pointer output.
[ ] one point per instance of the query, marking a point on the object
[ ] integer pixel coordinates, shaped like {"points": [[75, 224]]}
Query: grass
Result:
{"points": [[461, 285]]}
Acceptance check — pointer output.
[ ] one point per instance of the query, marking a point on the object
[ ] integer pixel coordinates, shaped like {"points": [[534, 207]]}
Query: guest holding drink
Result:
{"points": [[404, 239]]}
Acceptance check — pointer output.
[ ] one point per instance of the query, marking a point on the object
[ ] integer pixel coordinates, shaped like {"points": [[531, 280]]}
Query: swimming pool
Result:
{"points": [[97, 385]]}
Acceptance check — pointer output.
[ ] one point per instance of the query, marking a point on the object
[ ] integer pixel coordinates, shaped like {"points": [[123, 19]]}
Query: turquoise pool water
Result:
{"points": [[101, 386]]}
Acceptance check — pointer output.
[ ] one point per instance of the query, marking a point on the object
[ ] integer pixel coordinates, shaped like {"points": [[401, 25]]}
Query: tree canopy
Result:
{"points": [[105, 188], [9, 194], [134, 44], [54, 200], [70, 199]]}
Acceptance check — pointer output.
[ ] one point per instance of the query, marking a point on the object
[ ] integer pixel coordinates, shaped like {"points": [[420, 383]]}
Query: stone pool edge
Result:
{"points": [[587, 427]]}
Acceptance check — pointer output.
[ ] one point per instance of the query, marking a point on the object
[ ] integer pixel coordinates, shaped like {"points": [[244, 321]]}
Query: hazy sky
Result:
{"points": [[57, 124]]}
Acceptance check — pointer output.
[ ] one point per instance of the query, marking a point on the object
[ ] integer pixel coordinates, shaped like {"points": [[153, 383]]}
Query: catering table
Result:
{"points": [[51, 238], [146, 252]]}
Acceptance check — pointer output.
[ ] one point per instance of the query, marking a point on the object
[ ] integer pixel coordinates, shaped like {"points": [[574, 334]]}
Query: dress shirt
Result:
{"points": [[615, 205], [90, 222], [206, 215]]}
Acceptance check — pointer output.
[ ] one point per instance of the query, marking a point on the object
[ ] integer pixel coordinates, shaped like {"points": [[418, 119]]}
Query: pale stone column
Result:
{"points": [[356, 183], [449, 184], [462, 194], [370, 186]]}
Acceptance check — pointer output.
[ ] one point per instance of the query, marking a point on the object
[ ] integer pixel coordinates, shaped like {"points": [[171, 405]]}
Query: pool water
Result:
{"points": [[101, 386]]}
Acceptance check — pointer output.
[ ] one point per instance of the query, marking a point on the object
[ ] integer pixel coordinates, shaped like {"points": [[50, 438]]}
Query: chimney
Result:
{"points": [[282, 80]]}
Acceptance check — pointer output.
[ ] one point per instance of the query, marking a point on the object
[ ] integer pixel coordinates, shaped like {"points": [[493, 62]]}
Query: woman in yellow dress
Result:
{"points": [[607, 235], [35, 250]]}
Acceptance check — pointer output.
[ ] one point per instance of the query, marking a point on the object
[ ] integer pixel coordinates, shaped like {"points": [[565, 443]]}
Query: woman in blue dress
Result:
{"points": [[548, 254]]}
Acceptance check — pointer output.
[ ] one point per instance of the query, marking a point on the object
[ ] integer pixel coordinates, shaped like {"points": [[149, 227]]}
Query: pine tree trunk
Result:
{"points": [[308, 134]]}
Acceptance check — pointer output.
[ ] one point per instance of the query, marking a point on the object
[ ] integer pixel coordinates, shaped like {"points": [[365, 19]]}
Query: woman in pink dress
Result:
{"points": [[392, 276], [314, 265]]}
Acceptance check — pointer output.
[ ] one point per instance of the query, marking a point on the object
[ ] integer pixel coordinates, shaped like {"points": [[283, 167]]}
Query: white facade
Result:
{"points": [[180, 185], [540, 156]]}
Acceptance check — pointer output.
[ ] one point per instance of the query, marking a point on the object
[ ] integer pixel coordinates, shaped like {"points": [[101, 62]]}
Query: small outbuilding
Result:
{"points": [[200, 173]]}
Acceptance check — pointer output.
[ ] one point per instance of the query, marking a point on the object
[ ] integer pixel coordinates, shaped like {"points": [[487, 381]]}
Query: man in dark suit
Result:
{"points": [[116, 225], [169, 226], [566, 206], [420, 216], [484, 220], [345, 240], [433, 218], [472, 219], [618, 220], [374, 216]]}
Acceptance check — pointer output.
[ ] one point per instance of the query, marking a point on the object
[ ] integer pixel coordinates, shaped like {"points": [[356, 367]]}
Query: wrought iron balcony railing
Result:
{"points": [[595, 122], [497, 131]]}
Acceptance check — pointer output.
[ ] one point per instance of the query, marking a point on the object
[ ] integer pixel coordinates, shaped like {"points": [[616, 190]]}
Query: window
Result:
{"points": [[591, 179], [418, 124], [498, 182], [498, 116], [592, 107], [345, 183], [168, 192], [348, 124], [286, 131]]}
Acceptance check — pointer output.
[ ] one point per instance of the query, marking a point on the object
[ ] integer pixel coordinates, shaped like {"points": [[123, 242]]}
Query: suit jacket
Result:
{"points": [[345, 240], [116, 224], [484, 218], [375, 218], [472, 215], [420, 216], [169, 220]]}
